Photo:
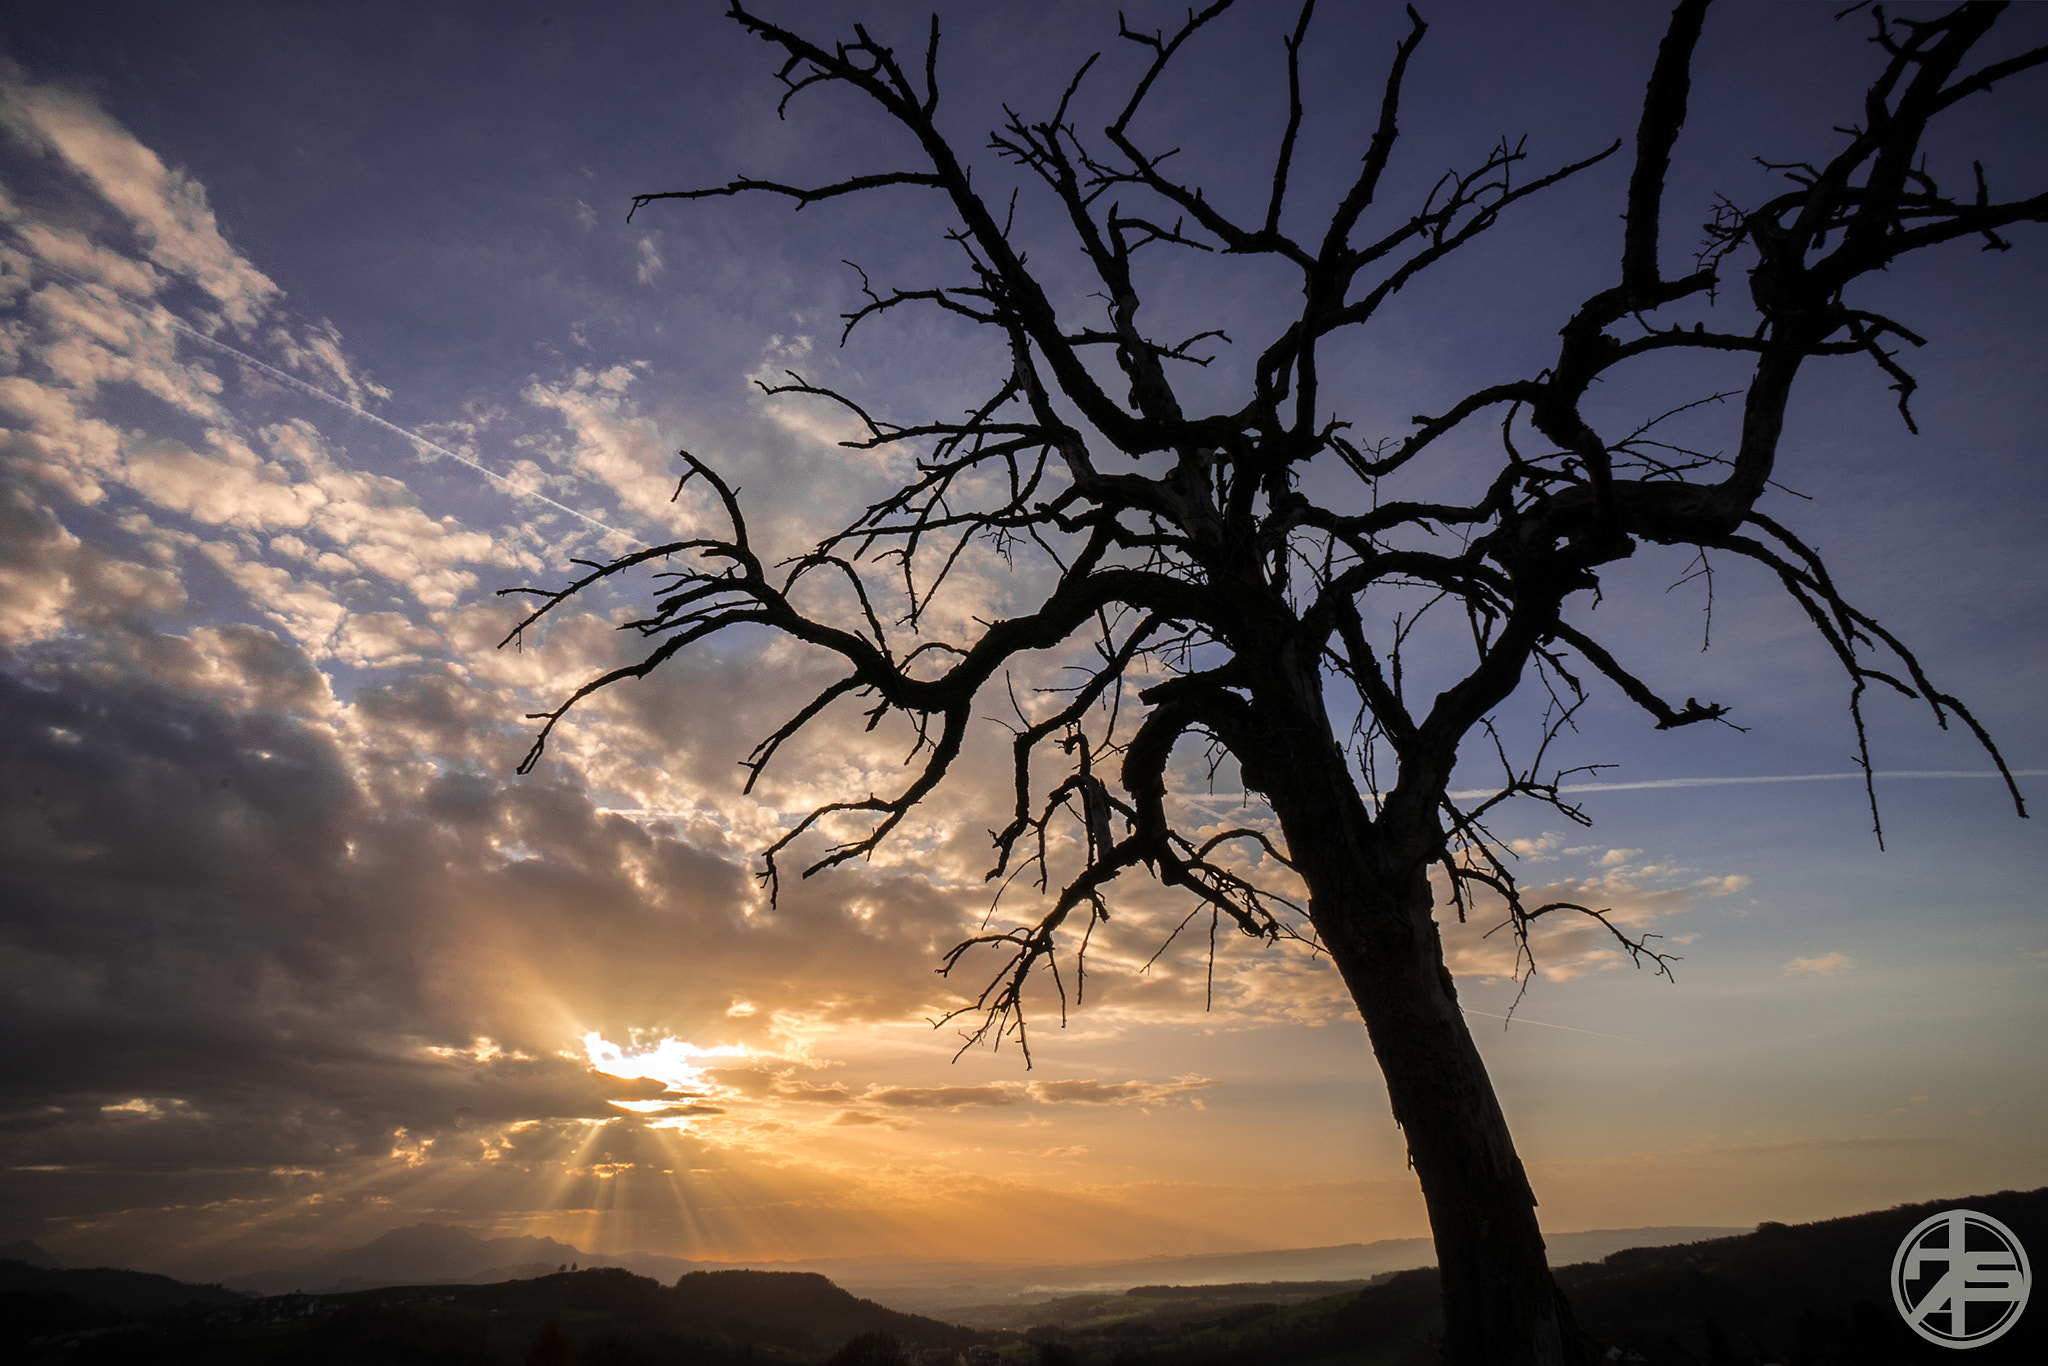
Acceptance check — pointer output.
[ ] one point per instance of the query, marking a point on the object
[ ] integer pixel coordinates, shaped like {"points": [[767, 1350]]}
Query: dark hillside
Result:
{"points": [[1394, 1322], [36, 1301], [126, 1292], [797, 1310], [827, 1313], [1159, 1307], [601, 1317], [1803, 1294]]}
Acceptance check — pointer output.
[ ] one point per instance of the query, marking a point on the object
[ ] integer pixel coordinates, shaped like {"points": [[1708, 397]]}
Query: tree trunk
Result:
{"points": [[1371, 903], [1501, 1305]]}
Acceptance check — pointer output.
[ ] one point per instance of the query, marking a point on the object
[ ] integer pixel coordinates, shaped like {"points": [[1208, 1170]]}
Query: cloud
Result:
{"points": [[51, 581], [303, 978], [339, 898], [105, 235], [72, 251], [943, 1097], [166, 208], [1087, 1091], [610, 441], [243, 668], [1820, 965], [651, 264], [1636, 898], [315, 351], [1091, 1092]]}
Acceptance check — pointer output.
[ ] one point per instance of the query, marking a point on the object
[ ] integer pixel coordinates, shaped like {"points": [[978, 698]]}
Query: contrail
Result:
{"points": [[1772, 778], [1524, 1019], [360, 411], [345, 404], [1477, 793]]}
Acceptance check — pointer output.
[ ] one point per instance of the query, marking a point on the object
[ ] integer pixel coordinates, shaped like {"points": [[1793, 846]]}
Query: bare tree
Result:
{"points": [[1179, 545]]}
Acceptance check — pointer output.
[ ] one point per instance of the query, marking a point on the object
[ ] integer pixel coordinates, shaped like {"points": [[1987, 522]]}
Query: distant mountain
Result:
{"points": [[22, 1250], [796, 1310], [418, 1254], [934, 1288], [1349, 1261], [1150, 1308], [438, 1254], [716, 1318]]}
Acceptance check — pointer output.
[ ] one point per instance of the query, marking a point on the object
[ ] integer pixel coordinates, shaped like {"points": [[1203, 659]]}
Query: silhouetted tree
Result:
{"points": [[1214, 600]]}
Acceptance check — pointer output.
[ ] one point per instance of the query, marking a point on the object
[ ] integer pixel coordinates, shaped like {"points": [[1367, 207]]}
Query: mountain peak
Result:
{"points": [[24, 1250], [414, 1254]]}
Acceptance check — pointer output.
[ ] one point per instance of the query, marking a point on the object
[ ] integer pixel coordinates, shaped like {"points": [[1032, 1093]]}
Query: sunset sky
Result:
{"points": [[319, 324]]}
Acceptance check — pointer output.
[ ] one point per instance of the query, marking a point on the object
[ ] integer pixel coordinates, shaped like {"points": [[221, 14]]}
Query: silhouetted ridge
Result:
{"points": [[798, 1310], [1800, 1293], [828, 1313], [37, 1301], [125, 1292]]}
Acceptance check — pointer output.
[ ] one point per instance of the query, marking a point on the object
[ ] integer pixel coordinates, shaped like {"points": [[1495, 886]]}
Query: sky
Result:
{"points": [[320, 325]]}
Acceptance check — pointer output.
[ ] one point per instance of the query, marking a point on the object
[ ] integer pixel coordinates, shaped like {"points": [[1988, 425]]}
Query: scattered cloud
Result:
{"points": [[942, 1097], [168, 210], [1634, 899], [1093, 1092], [1820, 965], [650, 263]]}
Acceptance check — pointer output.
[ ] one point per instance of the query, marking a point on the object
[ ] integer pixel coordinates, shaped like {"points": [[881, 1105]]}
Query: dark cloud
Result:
{"points": [[261, 946], [222, 957], [50, 579]]}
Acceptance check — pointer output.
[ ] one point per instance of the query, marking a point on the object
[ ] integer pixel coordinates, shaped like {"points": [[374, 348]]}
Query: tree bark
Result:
{"points": [[1501, 1305], [1371, 902]]}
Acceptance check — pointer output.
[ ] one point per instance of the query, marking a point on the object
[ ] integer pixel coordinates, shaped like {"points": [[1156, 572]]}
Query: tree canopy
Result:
{"points": [[1260, 577]]}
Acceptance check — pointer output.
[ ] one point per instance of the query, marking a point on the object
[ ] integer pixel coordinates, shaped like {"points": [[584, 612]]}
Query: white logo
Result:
{"points": [[1960, 1279]]}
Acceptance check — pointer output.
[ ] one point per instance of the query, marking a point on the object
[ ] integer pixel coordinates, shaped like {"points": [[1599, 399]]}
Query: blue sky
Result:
{"points": [[292, 956]]}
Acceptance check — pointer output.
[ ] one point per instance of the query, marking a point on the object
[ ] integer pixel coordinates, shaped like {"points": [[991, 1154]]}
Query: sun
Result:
{"points": [[675, 1063]]}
